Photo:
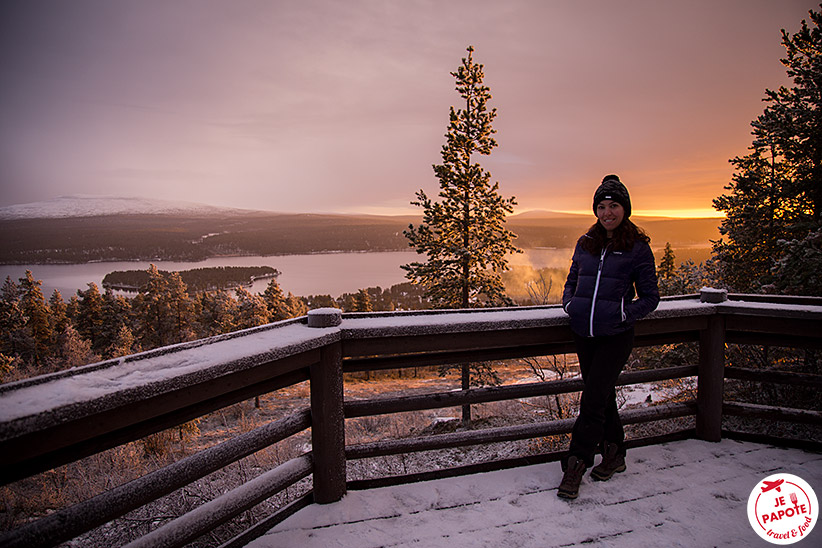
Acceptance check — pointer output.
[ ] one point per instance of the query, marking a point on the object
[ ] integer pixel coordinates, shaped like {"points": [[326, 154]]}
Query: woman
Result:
{"points": [[610, 260]]}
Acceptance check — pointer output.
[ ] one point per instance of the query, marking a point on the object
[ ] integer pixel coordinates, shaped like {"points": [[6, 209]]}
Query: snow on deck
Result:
{"points": [[688, 493]]}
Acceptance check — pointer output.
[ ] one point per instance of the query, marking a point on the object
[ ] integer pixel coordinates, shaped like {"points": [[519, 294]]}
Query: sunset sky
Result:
{"points": [[341, 106]]}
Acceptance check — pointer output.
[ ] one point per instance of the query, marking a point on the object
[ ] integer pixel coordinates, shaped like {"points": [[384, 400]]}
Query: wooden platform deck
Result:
{"points": [[687, 493]]}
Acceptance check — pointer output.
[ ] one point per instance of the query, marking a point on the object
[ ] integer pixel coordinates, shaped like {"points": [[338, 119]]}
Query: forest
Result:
{"points": [[193, 238], [41, 336], [197, 279]]}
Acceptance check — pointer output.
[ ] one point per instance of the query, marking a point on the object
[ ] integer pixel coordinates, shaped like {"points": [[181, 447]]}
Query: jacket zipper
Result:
{"points": [[596, 290]]}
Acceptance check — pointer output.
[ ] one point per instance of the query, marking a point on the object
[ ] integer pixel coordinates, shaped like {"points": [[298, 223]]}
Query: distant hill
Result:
{"points": [[93, 206], [94, 229]]}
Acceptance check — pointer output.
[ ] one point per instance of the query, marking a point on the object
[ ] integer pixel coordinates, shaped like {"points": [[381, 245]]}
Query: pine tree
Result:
{"points": [[76, 350], [123, 343], [180, 309], [90, 317], [217, 313], [776, 193], [12, 320], [153, 313], [276, 302], [667, 265], [362, 302], [36, 312], [251, 309], [59, 315], [799, 270], [7, 366], [463, 235], [73, 309], [296, 306], [117, 317]]}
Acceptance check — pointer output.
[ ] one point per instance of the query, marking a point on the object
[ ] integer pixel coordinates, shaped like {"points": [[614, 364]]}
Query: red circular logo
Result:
{"points": [[783, 509]]}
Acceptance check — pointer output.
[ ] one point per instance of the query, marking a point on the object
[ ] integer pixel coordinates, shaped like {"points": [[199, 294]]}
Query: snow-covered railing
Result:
{"points": [[55, 419]]}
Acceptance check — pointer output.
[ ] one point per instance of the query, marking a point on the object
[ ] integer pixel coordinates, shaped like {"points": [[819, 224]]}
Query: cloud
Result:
{"points": [[328, 106]]}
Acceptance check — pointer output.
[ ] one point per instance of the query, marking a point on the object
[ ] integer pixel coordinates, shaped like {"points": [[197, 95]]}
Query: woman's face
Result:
{"points": [[610, 215]]}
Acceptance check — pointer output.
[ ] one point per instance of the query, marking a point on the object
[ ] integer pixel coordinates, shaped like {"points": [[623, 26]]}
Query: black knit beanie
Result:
{"points": [[613, 189]]}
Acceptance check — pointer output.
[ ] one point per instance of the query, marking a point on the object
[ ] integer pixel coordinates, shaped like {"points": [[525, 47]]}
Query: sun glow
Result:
{"points": [[696, 213]]}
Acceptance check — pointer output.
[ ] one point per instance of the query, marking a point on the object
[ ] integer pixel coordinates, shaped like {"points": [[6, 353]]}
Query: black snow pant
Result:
{"points": [[601, 360]]}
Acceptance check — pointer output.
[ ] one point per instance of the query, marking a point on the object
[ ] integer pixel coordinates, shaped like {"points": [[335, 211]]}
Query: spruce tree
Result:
{"points": [[667, 265], [123, 343], [59, 315], [90, 317], [153, 312], [36, 312], [251, 309], [180, 309], [76, 350], [463, 234], [217, 313], [296, 306], [362, 302], [276, 302], [774, 207], [117, 316], [12, 321]]}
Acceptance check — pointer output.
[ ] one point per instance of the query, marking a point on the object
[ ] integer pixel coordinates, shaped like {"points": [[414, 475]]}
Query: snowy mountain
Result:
{"points": [[90, 206]]}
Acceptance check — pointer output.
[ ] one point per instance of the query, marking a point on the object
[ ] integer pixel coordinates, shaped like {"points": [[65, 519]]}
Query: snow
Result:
{"points": [[686, 493], [773, 309], [82, 205], [455, 321]]}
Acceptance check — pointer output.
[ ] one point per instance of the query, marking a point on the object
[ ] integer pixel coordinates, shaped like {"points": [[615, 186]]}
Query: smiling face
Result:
{"points": [[610, 215]]}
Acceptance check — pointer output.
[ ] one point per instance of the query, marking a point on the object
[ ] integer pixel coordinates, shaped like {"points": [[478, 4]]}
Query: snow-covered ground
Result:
{"points": [[688, 493]]}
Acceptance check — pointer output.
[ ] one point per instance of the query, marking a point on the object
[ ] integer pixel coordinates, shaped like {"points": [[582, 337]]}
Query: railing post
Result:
{"points": [[711, 373], [327, 419]]}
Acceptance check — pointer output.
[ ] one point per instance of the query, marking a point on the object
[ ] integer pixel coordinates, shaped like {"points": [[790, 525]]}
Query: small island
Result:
{"points": [[197, 279]]}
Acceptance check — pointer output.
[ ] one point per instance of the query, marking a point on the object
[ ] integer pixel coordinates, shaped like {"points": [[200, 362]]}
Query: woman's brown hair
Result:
{"points": [[625, 235]]}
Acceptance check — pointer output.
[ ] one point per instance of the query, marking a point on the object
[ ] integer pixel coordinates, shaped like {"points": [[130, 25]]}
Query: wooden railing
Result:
{"points": [[56, 419]]}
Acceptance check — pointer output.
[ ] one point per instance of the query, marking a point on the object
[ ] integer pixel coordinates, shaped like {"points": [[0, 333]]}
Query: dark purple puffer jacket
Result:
{"points": [[599, 292]]}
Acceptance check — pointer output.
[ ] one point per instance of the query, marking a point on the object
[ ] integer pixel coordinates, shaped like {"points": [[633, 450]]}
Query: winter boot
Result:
{"points": [[613, 461], [574, 470]]}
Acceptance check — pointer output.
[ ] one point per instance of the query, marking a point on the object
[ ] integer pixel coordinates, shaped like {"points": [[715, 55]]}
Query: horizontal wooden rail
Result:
{"points": [[506, 433], [776, 377], [84, 516], [262, 527], [503, 464], [204, 518], [404, 361], [438, 400], [770, 412]]}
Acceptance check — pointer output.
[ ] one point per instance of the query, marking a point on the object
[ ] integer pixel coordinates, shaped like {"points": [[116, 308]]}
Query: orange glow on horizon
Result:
{"points": [[695, 213]]}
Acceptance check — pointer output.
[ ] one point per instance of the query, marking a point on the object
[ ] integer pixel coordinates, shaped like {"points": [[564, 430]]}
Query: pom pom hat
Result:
{"points": [[613, 189]]}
